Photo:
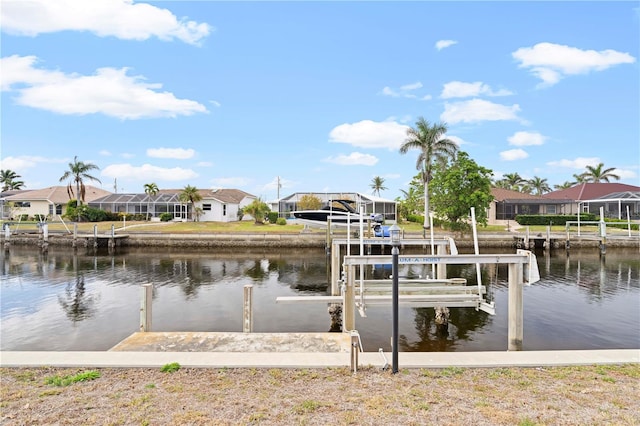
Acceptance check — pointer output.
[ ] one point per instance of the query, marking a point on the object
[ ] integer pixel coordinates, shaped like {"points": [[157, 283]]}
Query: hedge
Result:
{"points": [[552, 219]]}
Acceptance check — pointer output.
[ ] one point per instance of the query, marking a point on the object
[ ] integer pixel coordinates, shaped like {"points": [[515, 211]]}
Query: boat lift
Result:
{"points": [[350, 289]]}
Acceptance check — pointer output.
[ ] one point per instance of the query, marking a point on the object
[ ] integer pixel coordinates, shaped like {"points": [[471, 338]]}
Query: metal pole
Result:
{"points": [[394, 295]]}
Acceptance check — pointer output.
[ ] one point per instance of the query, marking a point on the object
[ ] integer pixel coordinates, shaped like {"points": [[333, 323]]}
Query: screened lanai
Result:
{"points": [[616, 205], [370, 203], [154, 205]]}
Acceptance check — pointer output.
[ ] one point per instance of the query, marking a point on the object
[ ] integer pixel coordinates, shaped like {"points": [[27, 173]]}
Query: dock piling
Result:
{"points": [[247, 318], [145, 307]]}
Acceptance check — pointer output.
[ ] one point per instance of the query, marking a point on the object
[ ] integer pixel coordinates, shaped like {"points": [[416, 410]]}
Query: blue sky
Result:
{"points": [[318, 94]]}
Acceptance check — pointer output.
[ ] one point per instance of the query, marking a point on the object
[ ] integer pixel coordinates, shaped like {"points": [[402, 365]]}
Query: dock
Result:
{"points": [[235, 342]]}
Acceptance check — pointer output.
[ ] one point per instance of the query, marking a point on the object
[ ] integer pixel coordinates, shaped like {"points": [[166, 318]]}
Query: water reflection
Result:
{"points": [[62, 300]]}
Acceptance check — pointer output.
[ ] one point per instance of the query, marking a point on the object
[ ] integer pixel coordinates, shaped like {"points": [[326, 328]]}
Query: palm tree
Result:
{"points": [[597, 174], [539, 185], [78, 171], [151, 189], [258, 209], [512, 181], [434, 147], [8, 180], [190, 195], [566, 185], [377, 184]]}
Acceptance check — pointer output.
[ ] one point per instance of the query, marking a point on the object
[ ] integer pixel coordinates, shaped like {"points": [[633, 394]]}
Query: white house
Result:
{"points": [[223, 205]]}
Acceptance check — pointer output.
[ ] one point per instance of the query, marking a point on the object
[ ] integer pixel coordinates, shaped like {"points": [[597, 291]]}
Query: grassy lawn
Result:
{"points": [[251, 227]]}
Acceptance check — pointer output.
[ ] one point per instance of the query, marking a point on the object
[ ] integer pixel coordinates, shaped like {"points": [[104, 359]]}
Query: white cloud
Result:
{"points": [[460, 89], [104, 153], [551, 62], [441, 44], [353, 159], [457, 140], [204, 164], [215, 104], [475, 110], [513, 154], [109, 91], [27, 162], [173, 153], [118, 18], [625, 174], [370, 134], [273, 185], [147, 172], [411, 86], [404, 91], [526, 139], [579, 163]]}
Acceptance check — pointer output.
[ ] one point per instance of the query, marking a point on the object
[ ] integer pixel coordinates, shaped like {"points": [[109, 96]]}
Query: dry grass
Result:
{"points": [[593, 395]]}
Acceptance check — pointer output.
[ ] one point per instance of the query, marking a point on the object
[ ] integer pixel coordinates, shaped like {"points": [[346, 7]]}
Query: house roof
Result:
{"points": [[619, 196], [590, 191], [233, 196], [56, 194], [325, 196], [508, 195], [227, 195]]}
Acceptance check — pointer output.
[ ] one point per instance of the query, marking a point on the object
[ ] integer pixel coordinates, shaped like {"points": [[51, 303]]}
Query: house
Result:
{"points": [[217, 205], [616, 198], [46, 202], [507, 204], [370, 203], [224, 205]]}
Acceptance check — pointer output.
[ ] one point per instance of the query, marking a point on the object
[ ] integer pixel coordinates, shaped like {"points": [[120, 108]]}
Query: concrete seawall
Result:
{"points": [[302, 240]]}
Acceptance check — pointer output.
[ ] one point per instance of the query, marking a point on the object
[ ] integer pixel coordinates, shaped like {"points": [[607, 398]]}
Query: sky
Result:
{"points": [[275, 98]]}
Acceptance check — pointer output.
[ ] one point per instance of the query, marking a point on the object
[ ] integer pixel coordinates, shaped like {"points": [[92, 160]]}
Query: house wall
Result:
{"points": [[40, 207], [218, 213]]}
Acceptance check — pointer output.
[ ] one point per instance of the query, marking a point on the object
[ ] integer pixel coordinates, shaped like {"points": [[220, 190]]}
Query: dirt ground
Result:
{"points": [[588, 395]]}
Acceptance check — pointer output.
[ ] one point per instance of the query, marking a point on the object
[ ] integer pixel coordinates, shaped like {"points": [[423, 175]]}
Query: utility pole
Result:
{"points": [[279, 186]]}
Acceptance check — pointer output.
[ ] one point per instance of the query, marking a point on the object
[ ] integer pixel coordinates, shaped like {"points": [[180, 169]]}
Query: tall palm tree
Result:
{"points": [[78, 171], [190, 195], [512, 181], [539, 185], [434, 147], [377, 184], [8, 180], [151, 189], [597, 174], [565, 185]]}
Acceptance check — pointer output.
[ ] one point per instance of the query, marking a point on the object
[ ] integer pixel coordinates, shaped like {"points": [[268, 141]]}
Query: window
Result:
{"points": [[551, 209], [22, 204], [224, 210], [206, 207]]}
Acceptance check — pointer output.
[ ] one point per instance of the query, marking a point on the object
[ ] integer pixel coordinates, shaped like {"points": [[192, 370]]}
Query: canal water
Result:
{"points": [[66, 301]]}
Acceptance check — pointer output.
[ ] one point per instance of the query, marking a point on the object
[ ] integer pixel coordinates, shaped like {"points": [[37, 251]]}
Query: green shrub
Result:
{"points": [[165, 217], [621, 224], [281, 221], [415, 218], [273, 217], [552, 219]]}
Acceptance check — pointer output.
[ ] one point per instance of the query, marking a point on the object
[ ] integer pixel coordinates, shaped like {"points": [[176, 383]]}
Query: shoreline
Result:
{"points": [[299, 240]]}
